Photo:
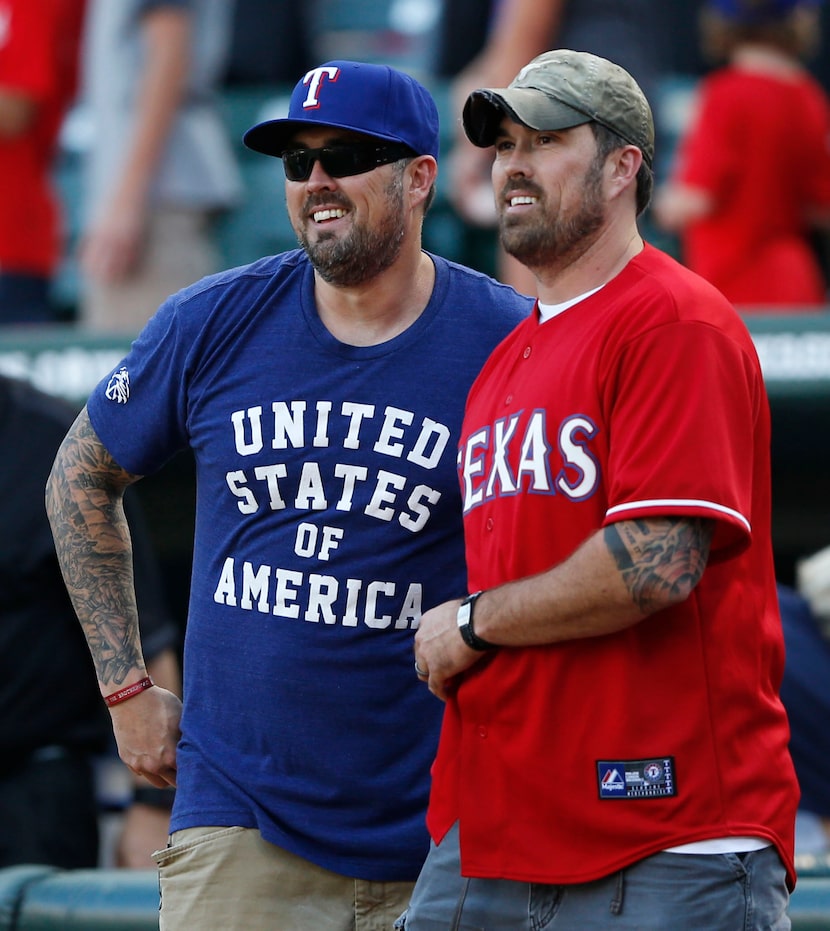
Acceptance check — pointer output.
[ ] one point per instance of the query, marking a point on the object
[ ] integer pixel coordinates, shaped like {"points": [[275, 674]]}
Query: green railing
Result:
{"points": [[41, 898], [68, 361]]}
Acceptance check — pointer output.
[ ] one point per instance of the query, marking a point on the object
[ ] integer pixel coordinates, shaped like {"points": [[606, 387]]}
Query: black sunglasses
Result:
{"points": [[341, 161]]}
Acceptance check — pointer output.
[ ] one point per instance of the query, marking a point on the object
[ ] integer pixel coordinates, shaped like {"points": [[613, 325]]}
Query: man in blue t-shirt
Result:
{"points": [[321, 392]]}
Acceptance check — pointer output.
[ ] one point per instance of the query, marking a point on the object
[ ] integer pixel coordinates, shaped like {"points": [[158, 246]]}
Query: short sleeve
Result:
{"points": [[685, 408], [139, 410]]}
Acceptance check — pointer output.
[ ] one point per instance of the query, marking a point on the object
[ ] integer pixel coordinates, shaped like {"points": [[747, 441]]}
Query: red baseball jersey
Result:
{"points": [[567, 762], [39, 47], [760, 146]]}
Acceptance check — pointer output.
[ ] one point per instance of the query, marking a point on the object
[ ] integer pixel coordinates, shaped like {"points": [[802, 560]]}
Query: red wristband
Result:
{"points": [[129, 691]]}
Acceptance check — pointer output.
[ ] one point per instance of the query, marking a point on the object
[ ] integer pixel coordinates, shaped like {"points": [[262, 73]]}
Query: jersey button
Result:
{"points": [[482, 731], [508, 399], [527, 352], [490, 523]]}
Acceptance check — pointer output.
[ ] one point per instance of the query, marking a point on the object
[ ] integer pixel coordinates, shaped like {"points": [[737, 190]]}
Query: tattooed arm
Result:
{"points": [[620, 575], [84, 501]]}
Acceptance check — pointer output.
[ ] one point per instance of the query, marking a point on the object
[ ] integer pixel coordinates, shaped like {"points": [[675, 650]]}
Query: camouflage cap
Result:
{"points": [[561, 89]]}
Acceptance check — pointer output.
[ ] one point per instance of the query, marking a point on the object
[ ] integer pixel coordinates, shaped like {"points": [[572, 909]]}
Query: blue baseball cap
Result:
{"points": [[757, 11], [373, 99]]}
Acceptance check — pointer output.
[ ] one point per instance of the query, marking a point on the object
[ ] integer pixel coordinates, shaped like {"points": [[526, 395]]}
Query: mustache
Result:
{"points": [[325, 200], [526, 187]]}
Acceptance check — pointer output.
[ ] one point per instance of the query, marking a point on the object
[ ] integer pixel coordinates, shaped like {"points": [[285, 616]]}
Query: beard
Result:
{"points": [[363, 252], [547, 240]]}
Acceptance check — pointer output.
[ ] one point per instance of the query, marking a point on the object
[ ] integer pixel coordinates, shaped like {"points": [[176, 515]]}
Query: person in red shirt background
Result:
{"points": [[39, 49], [751, 178]]}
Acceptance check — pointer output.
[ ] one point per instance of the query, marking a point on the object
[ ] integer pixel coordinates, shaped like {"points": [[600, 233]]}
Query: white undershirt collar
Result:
{"points": [[549, 311]]}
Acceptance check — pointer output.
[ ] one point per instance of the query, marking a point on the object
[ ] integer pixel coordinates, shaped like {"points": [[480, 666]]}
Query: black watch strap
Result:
{"points": [[465, 625]]}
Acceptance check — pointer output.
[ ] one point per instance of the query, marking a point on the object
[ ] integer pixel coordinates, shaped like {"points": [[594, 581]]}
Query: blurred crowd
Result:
{"points": [[137, 92]]}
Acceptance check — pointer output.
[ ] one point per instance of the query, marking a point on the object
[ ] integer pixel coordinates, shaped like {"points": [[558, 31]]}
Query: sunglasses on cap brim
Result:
{"points": [[342, 161]]}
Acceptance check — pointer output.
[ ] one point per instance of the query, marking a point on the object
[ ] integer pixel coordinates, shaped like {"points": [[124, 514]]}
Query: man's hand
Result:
{"points": [[440, 651], [471, 191], [146, 730], [111, 248]]}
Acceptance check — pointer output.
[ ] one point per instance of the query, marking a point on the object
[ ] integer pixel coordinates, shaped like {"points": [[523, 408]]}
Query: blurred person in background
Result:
{"points": [[751, 178], [160, 168], [518, 31], [39, 48], [272, 41], [54, 727], [805, 691]]}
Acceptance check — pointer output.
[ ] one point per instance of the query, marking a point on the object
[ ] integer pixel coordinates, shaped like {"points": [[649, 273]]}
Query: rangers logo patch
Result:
{"points": [[652, 778], [118, 388]]}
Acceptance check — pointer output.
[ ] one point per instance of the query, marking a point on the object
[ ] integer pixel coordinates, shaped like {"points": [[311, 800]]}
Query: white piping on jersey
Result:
{"points": [[679, 502]]}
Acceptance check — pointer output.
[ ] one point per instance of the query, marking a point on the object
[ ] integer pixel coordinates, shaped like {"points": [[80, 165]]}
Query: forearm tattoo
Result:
{"points": [[660, 557], [92, 541]]}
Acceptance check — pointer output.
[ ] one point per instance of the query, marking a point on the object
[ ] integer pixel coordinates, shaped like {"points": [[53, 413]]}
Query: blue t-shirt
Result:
{"points": [[328, 517]]}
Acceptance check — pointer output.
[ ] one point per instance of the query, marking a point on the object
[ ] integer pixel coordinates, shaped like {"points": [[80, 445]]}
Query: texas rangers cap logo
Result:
{"points": [[314, 79]]}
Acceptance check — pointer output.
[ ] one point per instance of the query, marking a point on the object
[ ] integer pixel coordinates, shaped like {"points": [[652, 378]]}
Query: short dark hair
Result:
{"points": [[796, 32], [607, 142]]}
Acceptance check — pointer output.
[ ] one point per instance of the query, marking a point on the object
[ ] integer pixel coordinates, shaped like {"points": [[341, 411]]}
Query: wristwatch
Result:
{"points": [[465, 625]]}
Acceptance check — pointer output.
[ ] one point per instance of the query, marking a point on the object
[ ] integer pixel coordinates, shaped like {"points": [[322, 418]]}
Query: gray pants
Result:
{"points": [[684, 892]]}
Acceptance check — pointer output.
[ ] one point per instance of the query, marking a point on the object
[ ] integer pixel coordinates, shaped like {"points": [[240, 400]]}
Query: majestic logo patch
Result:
{"points": [[118, 388], [652, 778]]}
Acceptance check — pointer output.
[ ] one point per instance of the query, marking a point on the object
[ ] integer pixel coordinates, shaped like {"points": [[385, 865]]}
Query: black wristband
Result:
{"points": [[465, 625], [154, 797]]}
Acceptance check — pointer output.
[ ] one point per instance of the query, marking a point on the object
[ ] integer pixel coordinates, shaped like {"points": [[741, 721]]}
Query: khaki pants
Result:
{"points": [[179, 250], [230, 879]]}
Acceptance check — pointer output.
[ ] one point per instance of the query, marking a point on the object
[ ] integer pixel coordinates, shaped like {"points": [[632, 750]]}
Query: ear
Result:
{"points": [[423, 171], [623, 165]]}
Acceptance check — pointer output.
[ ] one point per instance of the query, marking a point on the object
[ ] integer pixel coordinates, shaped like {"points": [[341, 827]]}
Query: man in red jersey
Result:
{"points": [[614, 749]]}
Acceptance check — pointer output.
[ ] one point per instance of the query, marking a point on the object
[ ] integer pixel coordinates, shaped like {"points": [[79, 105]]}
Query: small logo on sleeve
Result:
{"points": [[652, 778], [118, 388]]}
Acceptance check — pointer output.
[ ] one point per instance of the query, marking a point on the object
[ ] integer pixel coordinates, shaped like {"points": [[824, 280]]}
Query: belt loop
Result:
{"points": [[619, 895], [456, 918]]}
